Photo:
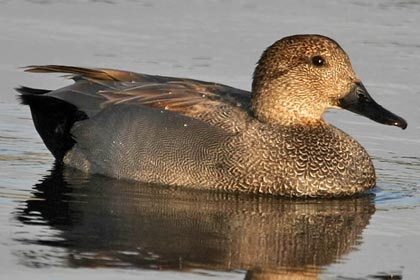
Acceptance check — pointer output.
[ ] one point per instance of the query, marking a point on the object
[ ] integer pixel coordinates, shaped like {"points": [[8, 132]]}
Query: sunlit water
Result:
{"points": [[62, 224]]}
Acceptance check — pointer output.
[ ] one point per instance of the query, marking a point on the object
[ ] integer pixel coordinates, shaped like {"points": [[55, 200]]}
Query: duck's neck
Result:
{"points": [[278, 106]]}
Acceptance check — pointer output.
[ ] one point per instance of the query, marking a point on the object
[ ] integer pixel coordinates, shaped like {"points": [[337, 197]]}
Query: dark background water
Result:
{"points": [[63, 224]]}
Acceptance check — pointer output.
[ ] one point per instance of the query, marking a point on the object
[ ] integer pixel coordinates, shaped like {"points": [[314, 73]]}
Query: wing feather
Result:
{"points": [[186, 96]]}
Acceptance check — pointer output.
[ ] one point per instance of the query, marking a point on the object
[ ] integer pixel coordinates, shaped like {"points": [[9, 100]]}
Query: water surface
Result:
{"points": [[64, 224]]}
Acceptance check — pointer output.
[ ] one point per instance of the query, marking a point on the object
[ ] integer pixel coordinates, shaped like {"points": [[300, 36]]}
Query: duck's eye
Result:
{"points": [[318, 61]]}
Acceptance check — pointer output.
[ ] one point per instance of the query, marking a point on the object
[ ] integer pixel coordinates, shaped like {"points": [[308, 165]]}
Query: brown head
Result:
{"points": [[299, 77]]}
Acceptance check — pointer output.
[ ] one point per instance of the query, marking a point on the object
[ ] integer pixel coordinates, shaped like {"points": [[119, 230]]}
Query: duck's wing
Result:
{"points": [[132, 102], [95, 89]]}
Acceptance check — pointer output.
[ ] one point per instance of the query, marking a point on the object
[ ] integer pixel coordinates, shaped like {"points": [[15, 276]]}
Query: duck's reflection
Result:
{"points": [[106, 222]]}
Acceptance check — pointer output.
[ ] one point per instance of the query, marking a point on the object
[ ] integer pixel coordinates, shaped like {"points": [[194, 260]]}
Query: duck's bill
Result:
{"points": [[360, 102]]}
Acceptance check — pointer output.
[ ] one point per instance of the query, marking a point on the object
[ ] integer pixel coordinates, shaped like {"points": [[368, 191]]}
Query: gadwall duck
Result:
{"points": [[202, 135]]}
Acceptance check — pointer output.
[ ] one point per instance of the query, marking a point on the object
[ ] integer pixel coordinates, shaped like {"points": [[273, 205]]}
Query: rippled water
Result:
{"points": [[63, 224]]}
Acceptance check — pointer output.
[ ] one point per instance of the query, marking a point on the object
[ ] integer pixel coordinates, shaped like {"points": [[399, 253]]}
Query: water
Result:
{"points": [[62, 224]]}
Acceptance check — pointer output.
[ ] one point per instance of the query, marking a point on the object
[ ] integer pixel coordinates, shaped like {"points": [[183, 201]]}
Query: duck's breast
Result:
{"points": [[300, 161]]}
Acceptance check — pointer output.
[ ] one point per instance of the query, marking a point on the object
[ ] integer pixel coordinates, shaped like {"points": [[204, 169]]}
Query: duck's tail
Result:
{"points": [[53, 119]]}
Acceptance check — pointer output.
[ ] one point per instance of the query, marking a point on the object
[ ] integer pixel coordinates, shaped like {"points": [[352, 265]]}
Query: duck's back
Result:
{"points": [[135, 126]]}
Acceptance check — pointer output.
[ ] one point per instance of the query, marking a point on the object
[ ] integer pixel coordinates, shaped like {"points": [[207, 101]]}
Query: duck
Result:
{"points": [[209, 136]]}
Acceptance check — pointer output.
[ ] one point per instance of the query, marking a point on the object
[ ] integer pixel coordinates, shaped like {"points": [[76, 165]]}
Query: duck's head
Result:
{"points": [[299, 77]]}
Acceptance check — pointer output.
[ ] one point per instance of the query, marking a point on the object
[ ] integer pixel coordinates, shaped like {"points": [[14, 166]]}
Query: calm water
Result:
{"points": [[60, 224]]}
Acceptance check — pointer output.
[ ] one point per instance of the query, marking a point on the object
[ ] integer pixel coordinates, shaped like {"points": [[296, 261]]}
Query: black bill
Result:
{"points": [[360, 102]]}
